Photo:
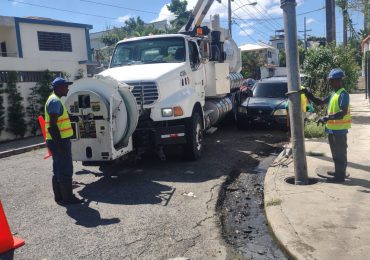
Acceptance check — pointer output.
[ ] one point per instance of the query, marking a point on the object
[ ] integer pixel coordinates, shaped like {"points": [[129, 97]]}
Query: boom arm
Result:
{"points": [[197, 15]]}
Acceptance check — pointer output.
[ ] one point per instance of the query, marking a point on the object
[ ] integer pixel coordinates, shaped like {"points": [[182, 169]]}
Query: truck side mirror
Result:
{"points": [[204, 50]]}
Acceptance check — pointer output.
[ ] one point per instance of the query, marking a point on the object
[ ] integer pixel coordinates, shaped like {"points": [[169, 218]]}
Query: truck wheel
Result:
{"points": [[194, 138]]}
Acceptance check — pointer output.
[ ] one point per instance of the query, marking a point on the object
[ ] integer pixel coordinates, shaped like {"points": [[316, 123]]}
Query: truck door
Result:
{"points": [[198, 71]]}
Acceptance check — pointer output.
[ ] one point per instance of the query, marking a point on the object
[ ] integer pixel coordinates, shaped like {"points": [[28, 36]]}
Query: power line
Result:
{"points": [[121, 7], [278, 18], [273, 24], [62, 10]]}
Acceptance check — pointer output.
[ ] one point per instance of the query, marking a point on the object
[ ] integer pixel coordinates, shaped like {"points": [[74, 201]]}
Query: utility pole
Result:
{"points": [[305, 34], [229, 18], [330, 21], [295, 107]]}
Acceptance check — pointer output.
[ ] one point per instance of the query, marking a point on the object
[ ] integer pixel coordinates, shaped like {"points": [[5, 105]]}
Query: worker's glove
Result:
{"points": [[323, 120]]}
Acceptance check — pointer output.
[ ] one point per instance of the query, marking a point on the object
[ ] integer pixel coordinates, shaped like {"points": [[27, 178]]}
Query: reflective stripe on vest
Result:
{"points": [[333, 108], [63, 122]]}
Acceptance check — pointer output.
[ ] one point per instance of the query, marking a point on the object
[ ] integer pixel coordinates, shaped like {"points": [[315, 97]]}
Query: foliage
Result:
{"points": [[132, 28], [252, 62], [282, 58], [16, 116], [2, 109], [33, 111], [301, 53], [312, 130], [178, 7], [320, 61]]}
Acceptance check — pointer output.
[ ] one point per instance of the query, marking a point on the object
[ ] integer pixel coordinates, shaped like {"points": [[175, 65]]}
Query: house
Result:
{"points": [[277, 41], [269, 54], [32, 45]]}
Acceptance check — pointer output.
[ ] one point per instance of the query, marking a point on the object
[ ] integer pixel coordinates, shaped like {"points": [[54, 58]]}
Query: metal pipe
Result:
{"points": [[295, 107]]}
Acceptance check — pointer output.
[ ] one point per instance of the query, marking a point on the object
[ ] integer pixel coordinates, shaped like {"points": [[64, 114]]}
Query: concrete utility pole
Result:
{"points": [[229, 18], [305, 34], [295, 107], [330, 21]]}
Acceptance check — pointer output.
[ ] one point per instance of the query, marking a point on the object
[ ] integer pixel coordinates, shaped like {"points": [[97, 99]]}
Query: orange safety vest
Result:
{"points": [[63, 123]]}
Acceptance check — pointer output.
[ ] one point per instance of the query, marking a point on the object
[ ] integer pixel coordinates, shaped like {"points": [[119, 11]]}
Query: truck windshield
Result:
{"points": [[270, 90], [145, 51]]}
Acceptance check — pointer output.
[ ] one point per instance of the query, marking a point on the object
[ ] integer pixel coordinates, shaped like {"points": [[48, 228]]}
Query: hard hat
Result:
{"points": [[336, 74]]}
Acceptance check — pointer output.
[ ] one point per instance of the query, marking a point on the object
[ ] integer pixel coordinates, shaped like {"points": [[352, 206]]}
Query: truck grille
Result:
{"points": [[146, 92]]}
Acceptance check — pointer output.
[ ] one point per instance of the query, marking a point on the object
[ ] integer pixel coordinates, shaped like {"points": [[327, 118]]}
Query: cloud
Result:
{"points": [[246, 29], [164, 14], [123, 19], [310, 20]]}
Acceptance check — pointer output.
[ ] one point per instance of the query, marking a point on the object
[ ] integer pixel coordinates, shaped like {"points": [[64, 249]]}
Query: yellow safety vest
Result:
{"points": [[303, 101], [333, 108], [63, 123]]}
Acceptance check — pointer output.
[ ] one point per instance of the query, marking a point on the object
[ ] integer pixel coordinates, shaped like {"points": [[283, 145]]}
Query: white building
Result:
{"points": [[32, 45], [268, 53]]}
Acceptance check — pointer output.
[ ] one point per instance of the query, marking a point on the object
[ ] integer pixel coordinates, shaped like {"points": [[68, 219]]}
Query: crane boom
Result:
{"points": [[197, 15]]}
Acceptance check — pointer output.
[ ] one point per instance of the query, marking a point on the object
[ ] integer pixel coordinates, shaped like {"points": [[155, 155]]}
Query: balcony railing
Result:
{"points": [[9, 54]]}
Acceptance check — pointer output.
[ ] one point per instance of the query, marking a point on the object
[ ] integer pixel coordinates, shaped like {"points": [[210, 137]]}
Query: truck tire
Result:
{"points": [[194, 138]]}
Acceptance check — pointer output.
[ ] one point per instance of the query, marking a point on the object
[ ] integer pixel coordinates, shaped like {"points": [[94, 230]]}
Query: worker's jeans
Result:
{"points": [[338, 147], [62, 162]]}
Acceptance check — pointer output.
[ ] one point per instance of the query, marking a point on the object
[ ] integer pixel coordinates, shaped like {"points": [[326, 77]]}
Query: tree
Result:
{"points": [[178, 7], [2, 109], [343, 5], [132, 28], [16, 116], [251, 63], [320, 61], [33, 111]]}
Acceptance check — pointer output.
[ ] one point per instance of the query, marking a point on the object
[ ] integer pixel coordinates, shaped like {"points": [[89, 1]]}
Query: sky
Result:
{"points": [[250, 23]]}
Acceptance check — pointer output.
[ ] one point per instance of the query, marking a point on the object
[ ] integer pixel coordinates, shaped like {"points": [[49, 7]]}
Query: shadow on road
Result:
{"points": [[224, 152], [88, 217]]}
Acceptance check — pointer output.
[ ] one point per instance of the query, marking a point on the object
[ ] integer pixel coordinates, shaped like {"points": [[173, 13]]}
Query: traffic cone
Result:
{"points": [[42, 125], [7, 241]]}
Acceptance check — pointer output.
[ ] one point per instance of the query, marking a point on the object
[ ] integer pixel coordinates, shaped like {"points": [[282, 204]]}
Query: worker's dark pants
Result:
{"points": [[338, 147], [62, 162]]}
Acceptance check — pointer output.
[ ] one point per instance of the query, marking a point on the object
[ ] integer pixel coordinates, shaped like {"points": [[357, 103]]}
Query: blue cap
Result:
{"points": [[60, 82], [336, 74]]}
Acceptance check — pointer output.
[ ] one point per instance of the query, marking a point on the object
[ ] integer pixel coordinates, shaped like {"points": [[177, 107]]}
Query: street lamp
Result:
{"points": [[229, 12]]}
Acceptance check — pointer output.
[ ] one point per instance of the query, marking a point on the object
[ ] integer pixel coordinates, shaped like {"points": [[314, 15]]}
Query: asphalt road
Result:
{"points": [[151, 210]]}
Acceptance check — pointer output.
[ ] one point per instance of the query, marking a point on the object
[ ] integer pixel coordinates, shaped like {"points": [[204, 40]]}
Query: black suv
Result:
{"points": [[266, 106]]}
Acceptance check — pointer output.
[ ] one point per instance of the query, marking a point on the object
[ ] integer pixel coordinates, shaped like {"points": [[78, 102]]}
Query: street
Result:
{"points": [[149, 210]]}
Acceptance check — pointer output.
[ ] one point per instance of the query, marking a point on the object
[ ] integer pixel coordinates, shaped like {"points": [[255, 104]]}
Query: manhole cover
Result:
{"points": [[310, 181]]}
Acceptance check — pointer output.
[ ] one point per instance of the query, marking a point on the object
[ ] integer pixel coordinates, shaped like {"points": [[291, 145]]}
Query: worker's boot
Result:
{"points": [[56, 189], [67, 194], [332, 173]]}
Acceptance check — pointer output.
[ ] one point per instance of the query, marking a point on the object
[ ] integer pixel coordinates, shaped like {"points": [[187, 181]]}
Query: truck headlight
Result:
{"points": [[280, 112], [167, 112], [242, 110]]}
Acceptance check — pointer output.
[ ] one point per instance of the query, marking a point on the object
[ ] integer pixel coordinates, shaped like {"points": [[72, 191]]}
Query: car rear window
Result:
{"points": [[270, 89]]}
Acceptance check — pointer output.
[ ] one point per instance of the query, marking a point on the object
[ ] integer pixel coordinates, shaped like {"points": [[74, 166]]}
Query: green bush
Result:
{"points": [[312, 130], [16, 114], [318, 63]]}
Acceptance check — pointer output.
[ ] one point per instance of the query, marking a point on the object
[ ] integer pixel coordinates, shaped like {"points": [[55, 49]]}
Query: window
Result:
{"points": [[270, 89], [154, 50], [193, 55], [280, 45], [269, 54], [51, 41]]}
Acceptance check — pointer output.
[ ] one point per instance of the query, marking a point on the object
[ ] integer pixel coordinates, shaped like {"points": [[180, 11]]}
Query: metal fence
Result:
{"points": [[25, 76]]}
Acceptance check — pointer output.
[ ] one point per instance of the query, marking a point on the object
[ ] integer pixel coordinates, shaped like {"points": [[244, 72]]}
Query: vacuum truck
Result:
{"points": [[159, 90]]}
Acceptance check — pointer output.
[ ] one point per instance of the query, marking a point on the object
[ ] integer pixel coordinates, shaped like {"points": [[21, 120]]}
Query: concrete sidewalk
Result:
{"points": [[21, 146], [325, 220]]}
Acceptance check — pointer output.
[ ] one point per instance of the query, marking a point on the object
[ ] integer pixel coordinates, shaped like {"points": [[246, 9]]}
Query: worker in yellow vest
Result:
{"points": [[337, 122], [58, 133]]}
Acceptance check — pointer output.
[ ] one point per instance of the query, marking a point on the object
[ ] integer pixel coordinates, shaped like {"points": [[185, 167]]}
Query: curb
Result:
{"points": [[288, 253], [21, 150]]}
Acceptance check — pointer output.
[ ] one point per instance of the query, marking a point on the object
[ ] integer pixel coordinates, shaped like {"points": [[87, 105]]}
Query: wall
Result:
{"points": [[8, 35], [30, 45]]}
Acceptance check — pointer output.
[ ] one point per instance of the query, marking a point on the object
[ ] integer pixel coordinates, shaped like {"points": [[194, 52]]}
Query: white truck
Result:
{"points": [[158, 90]]}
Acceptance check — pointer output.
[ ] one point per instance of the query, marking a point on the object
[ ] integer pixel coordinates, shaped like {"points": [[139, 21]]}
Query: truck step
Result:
{"points": [[212, 130]]}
